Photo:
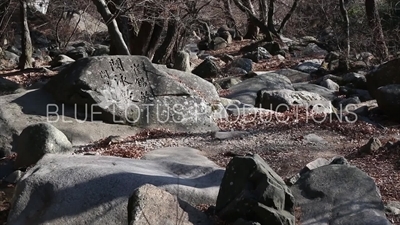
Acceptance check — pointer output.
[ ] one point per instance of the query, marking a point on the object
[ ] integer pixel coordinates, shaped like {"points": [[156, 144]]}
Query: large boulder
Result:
{"points": [[61, 60], [151, 205], [219, 43], [252, 191], [242, 63], [96, 189], [228, 82], [319, 162], [313, 50], [314, 88], [8, 86], [388, 99], [223, 29], [331, 62], [309, 66], [338, 195], [283, 100], [294, 76], [258, 55], [12, 58], [131, 90], [182, 61], [330, 84], [37, 140], [14, 49], [6, 137], [84, 22], [207, 69], [355, 79], [246, 91], [226, 35], [100, 50], [35, 106], [385, 74], [77, 53]]}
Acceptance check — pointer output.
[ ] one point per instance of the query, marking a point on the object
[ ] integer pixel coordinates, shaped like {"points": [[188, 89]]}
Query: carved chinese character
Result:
{"points": [[104, 74], [124, 80], [135, 68], [116, 64]]}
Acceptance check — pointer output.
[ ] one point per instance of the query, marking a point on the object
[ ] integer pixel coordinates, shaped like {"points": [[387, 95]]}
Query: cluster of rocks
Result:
{"points": [[123, 87], [299, 85], [218, 39], [110, 93], [53, 55], [168, 184], [118, 190]]}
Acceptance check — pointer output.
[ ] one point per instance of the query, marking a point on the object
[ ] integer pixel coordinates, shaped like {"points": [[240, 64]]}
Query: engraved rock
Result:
{"points": [[131, 90]]}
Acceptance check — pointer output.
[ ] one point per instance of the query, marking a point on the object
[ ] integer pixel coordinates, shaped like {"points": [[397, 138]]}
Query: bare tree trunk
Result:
{"points": [[374, 21], [25, 60], [116, 37], [231, 22], [164, 51], [154, 40], [263, 10], [125, 24], [263, 28], [288, 15], [345, 16], [252, 28], [271, 11], [141, 42], [207, 28]]}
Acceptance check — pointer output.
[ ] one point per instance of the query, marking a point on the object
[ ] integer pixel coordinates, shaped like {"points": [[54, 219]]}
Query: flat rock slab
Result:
{"points": [[66, 189], [314, 88], [338, 195], [152, 205], [294, 76], [20, 110], [246, 91]]}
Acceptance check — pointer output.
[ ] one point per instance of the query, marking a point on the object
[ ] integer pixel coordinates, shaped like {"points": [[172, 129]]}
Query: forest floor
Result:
{"points": [[286, 146]]}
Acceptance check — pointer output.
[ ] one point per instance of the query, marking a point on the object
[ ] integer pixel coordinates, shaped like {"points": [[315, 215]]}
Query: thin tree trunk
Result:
{"points": [[207, 28], [164, 51], [154, 40], [271, 11], [116, 37], [125, 24], [141, 42], [374, 21], [231, 22], [263, 10], [288, 15], [252, 28], [263, 28], [25, 60], [345, 16]]}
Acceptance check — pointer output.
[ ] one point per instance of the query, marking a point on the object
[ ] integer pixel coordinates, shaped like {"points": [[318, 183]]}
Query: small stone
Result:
{"points": [[373, 145], [393, 208]]}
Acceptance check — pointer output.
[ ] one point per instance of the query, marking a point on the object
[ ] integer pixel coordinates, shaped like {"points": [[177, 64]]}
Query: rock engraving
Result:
{"points": [[132, 83]]}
